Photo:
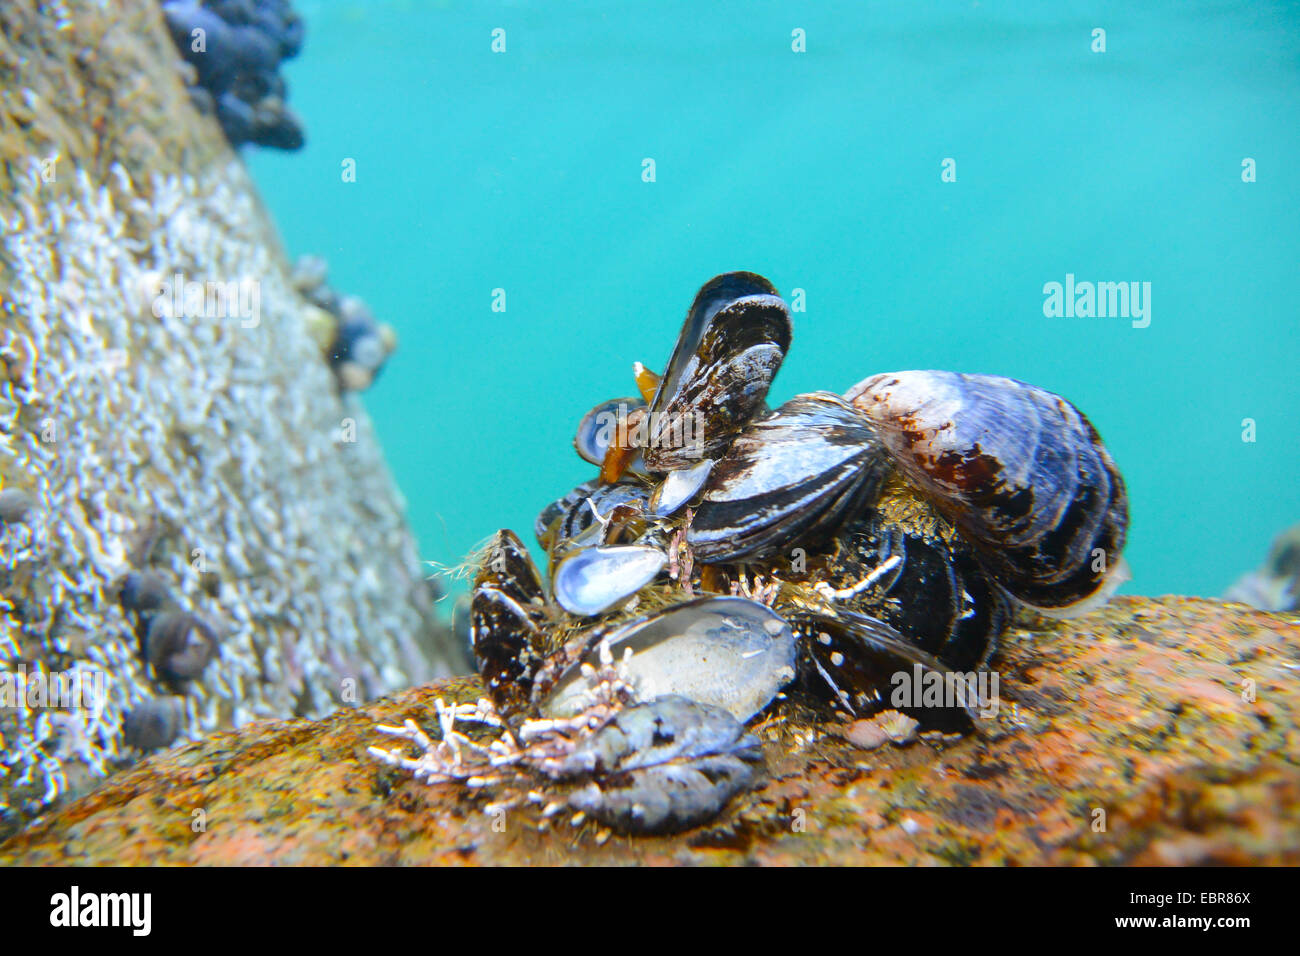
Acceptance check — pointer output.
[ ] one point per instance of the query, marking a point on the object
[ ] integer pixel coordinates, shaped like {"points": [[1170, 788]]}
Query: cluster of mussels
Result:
{"points": [[356, 343], [235, 48], [730, 554]]}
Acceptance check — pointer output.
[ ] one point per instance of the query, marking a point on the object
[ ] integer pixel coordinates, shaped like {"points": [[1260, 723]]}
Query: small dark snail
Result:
{"points": [[154, 723], [143, 592], [179, 645]]}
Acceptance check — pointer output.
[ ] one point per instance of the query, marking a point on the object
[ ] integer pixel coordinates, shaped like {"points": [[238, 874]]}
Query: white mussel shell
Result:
{"points": [[593, 580], [678, 488], [728, 652], [600, 426]]}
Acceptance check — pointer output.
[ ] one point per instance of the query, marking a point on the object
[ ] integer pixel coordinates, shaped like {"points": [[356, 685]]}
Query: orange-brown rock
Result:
{"points": [[1128, 736]]}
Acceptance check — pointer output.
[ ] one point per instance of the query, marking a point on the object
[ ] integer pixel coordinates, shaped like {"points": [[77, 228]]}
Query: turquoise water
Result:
{"points": [[822, 170]]}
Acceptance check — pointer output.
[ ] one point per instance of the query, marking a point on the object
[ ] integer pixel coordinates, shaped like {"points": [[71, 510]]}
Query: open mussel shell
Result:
{"points": [[790, 476], [728, 652], [679, 487], [601, 428], [507, 616], [1017, 468], [734, 339], [592, 580], [862, 666]]}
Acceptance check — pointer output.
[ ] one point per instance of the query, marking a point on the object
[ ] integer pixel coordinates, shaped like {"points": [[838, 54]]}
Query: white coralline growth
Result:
{"points": [[208, 444]]}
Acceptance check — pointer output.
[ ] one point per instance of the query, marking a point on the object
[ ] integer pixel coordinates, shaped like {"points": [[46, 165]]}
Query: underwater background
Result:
{"points": [[822, 170]]}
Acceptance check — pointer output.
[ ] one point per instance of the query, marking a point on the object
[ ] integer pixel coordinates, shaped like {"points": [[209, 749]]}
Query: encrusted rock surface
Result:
{"points": [[207, 445], [1140, 710]]}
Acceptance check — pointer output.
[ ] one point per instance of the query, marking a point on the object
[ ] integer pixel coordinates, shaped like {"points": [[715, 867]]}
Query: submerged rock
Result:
{"points": [[1127, 736], [198, 447]]}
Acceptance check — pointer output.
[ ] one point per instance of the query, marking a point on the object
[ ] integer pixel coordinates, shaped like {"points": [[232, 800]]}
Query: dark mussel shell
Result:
{"points": [[1017, 468], [179, 645], [507, 619], [567, 518], [734, 339], [154, 723], [788, 477], [857, 663], [937, 595]]}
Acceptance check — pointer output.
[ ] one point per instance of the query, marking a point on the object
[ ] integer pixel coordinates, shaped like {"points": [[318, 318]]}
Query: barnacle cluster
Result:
{"points": [[235, 48], [191, 511], [730, 554]]}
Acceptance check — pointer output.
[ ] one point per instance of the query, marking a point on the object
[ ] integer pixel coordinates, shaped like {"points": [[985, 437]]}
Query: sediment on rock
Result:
{"points": [[1127, 736]]}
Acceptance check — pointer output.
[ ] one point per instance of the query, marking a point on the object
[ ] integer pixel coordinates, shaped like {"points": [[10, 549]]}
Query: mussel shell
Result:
{"points": [[507, 614], [664, 766], [727, 652], [665, 729], [154, 723], [600, 427], [143, 591], [791, 476], [571, 520], [678, 488], [731, 345], [546, 527], [855, 663], [1017, 468], [593, 580], [937, 596]]}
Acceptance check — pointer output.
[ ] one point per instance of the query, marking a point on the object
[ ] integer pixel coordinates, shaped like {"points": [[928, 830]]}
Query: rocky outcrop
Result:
{"points": [[165, 409], [1149, 732]]}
